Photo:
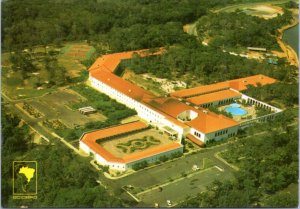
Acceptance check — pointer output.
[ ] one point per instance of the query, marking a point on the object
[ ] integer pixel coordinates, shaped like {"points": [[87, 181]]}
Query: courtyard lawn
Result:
{"points": [[138, 144], [135, 142]]}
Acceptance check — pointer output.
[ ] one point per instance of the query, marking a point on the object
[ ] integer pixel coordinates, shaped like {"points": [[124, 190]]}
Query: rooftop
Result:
{"points": [[195, 140], [91, 138], [206, 121], [127, 88], [237, 84], [111, 61], [213, 97]]}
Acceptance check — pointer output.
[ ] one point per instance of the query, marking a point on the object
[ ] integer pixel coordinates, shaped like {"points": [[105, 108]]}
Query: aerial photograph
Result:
{"points": [[149, 103]]}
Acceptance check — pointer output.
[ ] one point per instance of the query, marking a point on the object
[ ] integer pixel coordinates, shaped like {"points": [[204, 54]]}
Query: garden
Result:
{"points": [[138, 144]]}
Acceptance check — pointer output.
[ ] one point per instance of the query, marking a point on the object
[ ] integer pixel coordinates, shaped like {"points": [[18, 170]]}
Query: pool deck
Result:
{"points": [[241, 118], [236, 110]]}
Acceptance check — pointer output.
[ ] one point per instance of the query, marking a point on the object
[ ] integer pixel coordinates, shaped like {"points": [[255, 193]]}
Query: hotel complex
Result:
{"points": [[182, 114]]}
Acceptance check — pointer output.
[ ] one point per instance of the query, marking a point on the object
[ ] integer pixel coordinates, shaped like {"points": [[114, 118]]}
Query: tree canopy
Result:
{"points": [[64, 179], [268, 164], [125, 25]]}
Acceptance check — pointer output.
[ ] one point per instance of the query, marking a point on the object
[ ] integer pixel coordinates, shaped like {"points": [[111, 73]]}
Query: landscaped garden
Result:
{"points": [[138, 144], [128, 144]]}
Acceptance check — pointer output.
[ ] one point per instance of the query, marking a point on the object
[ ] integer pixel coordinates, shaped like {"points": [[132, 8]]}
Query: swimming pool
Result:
{"points": [[236, 110]]}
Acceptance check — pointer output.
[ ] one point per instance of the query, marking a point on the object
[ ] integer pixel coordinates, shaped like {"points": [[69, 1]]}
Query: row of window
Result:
{"points": [[225, 101], [207, 105], [118, 166], [197, 134], [230, 135], [208, 92], [219, 133]]}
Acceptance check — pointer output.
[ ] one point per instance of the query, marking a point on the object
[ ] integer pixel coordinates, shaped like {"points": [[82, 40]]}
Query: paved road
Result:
{"points": [[174, 169], [34, 123]]}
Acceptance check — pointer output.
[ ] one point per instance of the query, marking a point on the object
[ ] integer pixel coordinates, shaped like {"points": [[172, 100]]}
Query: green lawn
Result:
{"points": [[15, 87]]}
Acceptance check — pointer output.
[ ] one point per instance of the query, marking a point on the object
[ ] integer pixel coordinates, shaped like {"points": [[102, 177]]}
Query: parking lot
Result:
{"points": [[175, 176], [177, 191]]}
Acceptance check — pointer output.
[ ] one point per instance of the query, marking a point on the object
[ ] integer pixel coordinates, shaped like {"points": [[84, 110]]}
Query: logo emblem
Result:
{"points": [[24, 179]]}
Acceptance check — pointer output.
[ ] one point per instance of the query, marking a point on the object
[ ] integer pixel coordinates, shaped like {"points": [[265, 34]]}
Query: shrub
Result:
{"points": [[163, 158], [140, 165]]}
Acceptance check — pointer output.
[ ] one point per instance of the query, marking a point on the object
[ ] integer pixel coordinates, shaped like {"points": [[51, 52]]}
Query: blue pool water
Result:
{"points": [[235, 109]]}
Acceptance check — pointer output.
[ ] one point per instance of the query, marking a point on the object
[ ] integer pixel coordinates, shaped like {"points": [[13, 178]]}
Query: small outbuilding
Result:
{"points": [[87, 110]]}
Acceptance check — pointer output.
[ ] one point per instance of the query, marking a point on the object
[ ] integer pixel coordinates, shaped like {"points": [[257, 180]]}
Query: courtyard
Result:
{"points": [[135, 142], [242, 112]]}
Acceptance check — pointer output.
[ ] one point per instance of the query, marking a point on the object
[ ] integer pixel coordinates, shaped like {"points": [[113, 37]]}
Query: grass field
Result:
{"points": [[16, 87]]}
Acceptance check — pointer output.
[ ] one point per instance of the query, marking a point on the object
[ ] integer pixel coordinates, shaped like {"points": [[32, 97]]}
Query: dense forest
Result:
{"points": [[191, 61], [237, 29], [123, 25], [75, 180], [268, 165]]}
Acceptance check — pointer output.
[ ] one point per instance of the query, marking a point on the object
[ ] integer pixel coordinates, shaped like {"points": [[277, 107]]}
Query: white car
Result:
{"points": [[169, 202]]}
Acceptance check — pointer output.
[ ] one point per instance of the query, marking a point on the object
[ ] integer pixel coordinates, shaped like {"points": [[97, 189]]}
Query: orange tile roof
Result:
{"points": [[127, 88], [208, 122], [168, 105], [195, 140], [205, 122], [151, 152], [91, 138], [213, 97], [237, 84], [114, 130], [111, 61]]}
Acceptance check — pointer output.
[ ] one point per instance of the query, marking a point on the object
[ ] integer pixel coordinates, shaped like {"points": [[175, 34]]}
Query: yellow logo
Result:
{"points": [[24, 179]]}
